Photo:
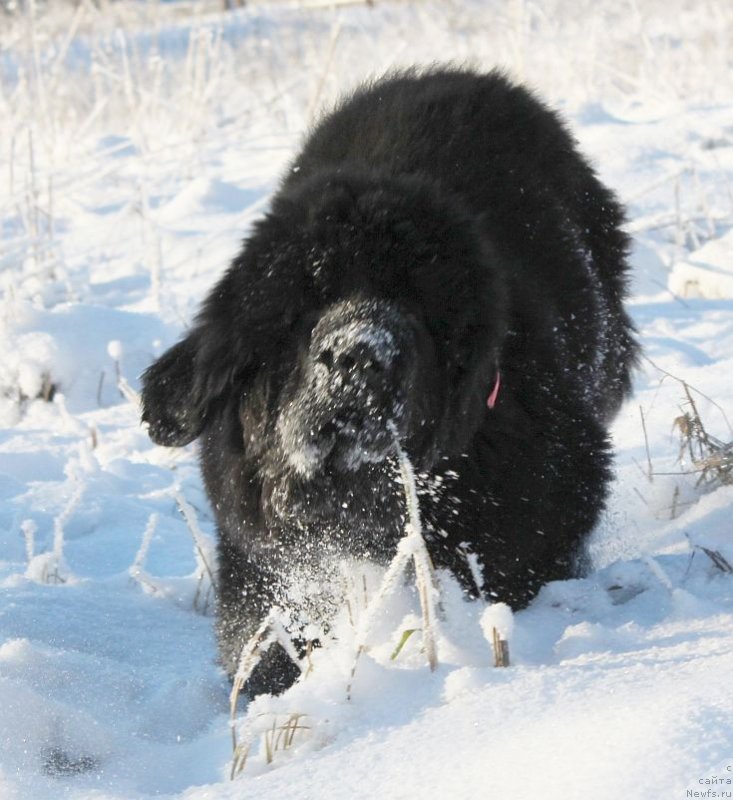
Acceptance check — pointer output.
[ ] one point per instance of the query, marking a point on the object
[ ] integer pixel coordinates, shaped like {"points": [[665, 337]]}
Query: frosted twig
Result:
{"points": [[690, 388], [412, 545], [650, 474], [29, 529], [720, 561], [424, 571], [61, 520], [271, 631], [250, 656], [659, 573], [127, 391], [389, 581], [201, 546], [138, 565], [54, 559]]}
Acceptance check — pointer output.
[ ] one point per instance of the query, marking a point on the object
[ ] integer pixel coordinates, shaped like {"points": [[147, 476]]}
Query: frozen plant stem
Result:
{"points": [[250, 656], [271, 631], [501, 649], [29, 529], [139, 564], [412, 545], [659, 573], [420, 555], [33, 201], [201, 548], [650, 473], [51, 572]]}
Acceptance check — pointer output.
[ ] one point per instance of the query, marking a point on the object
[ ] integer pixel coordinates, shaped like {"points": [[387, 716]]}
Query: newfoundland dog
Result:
{"points": [[439, 266]]}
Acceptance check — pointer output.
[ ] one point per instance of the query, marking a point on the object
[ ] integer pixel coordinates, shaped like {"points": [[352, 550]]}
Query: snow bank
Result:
{"points": [[708, 272]]}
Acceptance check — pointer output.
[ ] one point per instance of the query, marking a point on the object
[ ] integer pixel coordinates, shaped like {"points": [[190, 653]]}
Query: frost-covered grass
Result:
{"points": [[136, 147]]}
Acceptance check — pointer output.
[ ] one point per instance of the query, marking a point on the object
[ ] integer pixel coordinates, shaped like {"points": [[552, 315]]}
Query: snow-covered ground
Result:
{"points": [[136, 147]]}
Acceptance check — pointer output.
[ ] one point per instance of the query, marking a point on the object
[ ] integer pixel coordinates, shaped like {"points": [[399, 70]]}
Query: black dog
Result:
{"points": [[441, 265]]}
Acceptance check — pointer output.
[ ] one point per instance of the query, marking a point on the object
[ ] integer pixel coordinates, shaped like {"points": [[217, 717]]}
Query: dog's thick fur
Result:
{"points": [[437, 238]]}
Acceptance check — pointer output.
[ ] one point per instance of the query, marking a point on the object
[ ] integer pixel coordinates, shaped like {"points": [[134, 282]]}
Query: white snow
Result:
{"points": [[137, 146], [708, 272]]}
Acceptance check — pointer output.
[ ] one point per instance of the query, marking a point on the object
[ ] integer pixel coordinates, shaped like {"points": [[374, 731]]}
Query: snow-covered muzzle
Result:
{"points": [[339, 414], [351, 393]]}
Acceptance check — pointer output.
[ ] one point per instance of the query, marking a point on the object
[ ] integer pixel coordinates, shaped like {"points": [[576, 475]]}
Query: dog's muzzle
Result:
{"points": [[354, 365]]}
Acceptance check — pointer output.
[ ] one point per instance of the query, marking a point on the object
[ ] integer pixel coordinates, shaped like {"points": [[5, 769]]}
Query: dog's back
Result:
{"points": [[477, 134]]}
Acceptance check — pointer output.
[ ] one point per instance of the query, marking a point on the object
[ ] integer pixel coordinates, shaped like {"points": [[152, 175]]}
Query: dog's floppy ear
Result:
{"points": [[240, 324], [169, 401]]}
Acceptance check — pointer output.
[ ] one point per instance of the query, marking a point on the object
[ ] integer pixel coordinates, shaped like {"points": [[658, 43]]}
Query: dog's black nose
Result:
{"points": [[355, 361], [354, 358]]}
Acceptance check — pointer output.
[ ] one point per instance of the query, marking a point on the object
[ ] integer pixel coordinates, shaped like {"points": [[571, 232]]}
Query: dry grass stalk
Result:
{"points": [[137, 570], [675, 503], [251, 654], [282, 736], [501, 649], [239, 760], [710, 456], [650, 474], [278, 736], [359, 650], [389, 581], [424, 570], [141, 556], [411, 546], [659, 573], [201, 548], [270, 632], [720, 561], [100, 386], [127, 391], [52, 568], [29, 529]]}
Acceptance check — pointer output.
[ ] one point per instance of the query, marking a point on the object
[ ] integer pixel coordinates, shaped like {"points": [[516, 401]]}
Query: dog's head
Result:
{"points": [[361, 309]]}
